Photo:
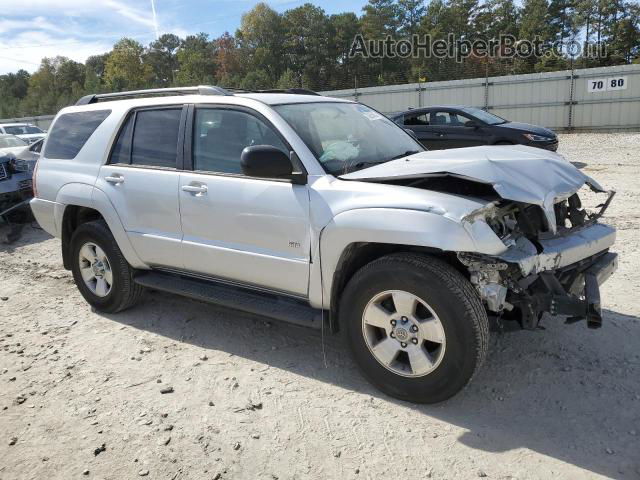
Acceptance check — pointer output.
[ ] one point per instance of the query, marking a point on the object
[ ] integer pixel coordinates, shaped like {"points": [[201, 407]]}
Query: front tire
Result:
{"points": [[101, 273], [416, 327]]}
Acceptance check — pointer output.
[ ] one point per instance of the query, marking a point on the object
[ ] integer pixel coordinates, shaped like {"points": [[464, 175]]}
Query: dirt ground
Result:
{"points": [[80, 392]]}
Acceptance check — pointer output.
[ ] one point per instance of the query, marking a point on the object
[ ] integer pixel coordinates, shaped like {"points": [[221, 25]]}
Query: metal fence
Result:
{"points": [[606, 98], [43, 121]]}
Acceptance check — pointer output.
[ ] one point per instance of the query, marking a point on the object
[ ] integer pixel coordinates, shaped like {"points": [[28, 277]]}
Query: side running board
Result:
{"points": [[257, 303]]}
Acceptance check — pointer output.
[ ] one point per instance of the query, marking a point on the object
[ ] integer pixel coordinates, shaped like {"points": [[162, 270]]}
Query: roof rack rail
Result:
{"points": [[199, 90], [293, 91]]}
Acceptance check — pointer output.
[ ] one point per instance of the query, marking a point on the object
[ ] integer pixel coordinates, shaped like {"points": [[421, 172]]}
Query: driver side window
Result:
{"points": [[219, 136]]}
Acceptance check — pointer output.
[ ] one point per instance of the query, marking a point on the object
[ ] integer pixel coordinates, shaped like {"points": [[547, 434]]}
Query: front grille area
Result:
{"points": [[3, 171]]}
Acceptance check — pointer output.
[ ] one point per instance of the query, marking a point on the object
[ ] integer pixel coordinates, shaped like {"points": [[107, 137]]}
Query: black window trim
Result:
{"points": [[300, 174], [134, 113]]}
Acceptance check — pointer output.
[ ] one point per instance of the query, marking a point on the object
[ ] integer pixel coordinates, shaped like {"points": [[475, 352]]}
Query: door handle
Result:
{"points": [[195, 188], [115, 179], [439, 134]]}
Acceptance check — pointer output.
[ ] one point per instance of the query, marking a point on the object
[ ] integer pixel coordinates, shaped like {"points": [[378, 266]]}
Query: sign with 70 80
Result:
{"points": [[596, 85]]}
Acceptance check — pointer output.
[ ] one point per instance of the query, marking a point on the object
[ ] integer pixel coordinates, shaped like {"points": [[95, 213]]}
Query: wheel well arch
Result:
{"points": [[358, 254], [73, 217]]}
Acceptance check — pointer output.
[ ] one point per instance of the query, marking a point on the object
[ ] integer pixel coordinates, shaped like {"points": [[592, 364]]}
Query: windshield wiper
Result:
{"points": [[360, 165], [405, 154]]}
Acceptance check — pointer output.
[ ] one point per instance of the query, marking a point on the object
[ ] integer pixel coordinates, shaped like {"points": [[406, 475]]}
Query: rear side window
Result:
{"points": [[416, 119], [149, 138], [122, 150], [155, 138], [71, 131]]}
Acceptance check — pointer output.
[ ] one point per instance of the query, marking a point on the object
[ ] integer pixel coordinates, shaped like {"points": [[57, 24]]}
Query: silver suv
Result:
{"points": [[324, 213]]}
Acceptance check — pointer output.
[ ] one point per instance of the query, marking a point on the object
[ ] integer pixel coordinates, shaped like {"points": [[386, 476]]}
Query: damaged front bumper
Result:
{"points": [[560, 251], [560, 275]]}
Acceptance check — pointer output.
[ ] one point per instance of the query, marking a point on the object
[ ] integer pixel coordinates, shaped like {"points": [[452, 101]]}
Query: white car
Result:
{"points": [[322, 212], [26, 131], [10, 144]]}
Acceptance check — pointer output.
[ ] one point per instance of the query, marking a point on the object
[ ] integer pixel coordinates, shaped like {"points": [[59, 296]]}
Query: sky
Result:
{"points": [[33, 29]]}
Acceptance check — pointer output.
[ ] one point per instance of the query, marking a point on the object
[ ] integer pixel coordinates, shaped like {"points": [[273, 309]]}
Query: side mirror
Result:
{"points": [[412, 133], [471, 124], [266, 161]]}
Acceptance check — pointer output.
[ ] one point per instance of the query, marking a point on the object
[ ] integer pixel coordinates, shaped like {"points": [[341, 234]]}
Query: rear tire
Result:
{"points": [[427, 313], [102, 274]]}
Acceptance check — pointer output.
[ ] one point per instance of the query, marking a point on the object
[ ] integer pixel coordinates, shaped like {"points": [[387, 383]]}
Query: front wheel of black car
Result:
{"points": [[416, 327]]}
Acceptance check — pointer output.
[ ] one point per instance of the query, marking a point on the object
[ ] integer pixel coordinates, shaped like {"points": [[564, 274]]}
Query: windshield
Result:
{"points": [[485, 117], [9, 142], [22, 129], [346, 137]]}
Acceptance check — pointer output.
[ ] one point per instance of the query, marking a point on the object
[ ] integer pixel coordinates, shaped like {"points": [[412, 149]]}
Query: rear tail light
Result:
{"points": [[33, 182]]}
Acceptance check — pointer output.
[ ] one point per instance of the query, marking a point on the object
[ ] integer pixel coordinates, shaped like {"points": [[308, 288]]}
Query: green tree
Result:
{"points": [[161, 58], [125, 69], [256, 80], [409, 14], [381, 19], [196, 61], [625, 35], [94, 73], [343, 69], [306, 31], [13, 89], [261, 38], [533, 25], [562, 19], [288, 80]]}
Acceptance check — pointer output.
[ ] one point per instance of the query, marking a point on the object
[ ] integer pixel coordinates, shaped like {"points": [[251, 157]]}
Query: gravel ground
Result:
{"points": [[81, 392]]}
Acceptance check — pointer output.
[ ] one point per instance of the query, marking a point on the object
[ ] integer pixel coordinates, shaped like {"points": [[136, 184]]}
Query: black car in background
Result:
{"points": [[440, 127]]}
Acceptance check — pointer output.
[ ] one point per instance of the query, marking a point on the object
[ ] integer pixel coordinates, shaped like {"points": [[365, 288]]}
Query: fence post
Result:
{"points": [[572, 82], [486, 85], [355, 88]]}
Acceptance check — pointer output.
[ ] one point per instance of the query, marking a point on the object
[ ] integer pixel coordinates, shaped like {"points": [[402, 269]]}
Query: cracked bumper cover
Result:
{"points": [[560, 251]]}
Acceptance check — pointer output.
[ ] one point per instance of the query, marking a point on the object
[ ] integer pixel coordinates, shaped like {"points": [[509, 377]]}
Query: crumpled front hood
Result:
{"points": [[518, 173]]}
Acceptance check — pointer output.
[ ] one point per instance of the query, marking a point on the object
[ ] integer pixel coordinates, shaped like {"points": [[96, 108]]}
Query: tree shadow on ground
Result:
{"points": [[550, 391]]}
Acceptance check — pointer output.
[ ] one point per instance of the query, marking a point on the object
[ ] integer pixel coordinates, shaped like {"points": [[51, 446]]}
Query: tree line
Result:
{"points": [[305, 47]]}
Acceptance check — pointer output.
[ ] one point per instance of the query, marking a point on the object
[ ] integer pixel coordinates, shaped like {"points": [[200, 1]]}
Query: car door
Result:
{"points": [[242, 229], [452, 130], [418, 122], [141, 181]]}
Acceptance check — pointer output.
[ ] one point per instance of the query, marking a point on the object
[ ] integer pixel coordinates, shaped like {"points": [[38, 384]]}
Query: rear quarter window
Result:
{"points": [[71, 131]]}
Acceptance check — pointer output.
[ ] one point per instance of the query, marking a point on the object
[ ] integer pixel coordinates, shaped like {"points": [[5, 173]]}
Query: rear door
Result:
{"points": [[141, 180], [243, 229]]}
